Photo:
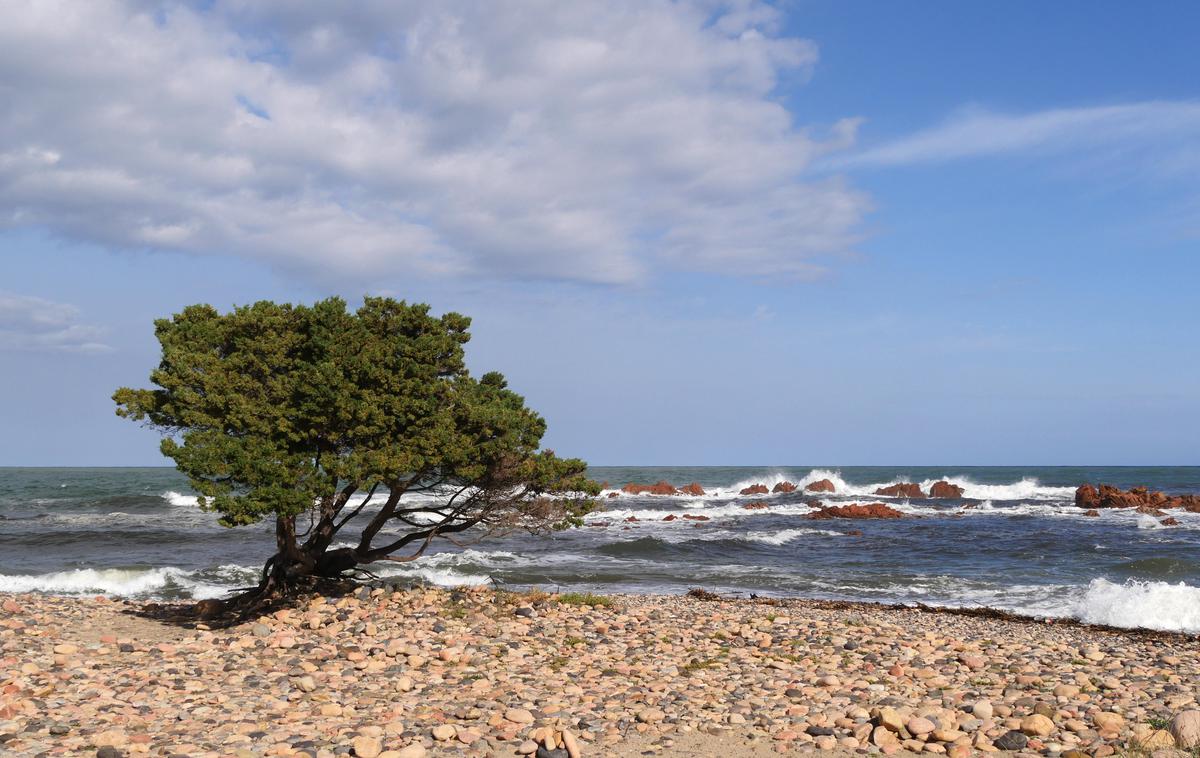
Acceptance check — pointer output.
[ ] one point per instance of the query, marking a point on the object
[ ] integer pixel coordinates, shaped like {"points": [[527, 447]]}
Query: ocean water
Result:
{"points": [[1021, 545]]}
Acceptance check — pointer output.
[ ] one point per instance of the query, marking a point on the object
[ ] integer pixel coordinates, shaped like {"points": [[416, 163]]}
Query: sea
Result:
{"points": [[1015, 541]]}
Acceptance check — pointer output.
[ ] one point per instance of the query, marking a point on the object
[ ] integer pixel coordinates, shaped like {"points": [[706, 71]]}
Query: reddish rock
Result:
{"points": [[1087, 497], [1141, 498], [755, 489], [631, 520], [854, 533], [691, 489], [1169, 522], [945, 489], [208, 609], [822, 486], [856, 511], [784, 487], [614, 494], [757, 505], [658, 488], [598, 523], [1150, 510], [904, 489], [670, 517], [691, 517], [1092, 513]]}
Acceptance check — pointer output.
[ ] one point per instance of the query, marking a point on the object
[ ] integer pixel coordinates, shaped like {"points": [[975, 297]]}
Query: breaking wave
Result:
{"points": [[1150, 605], [165, 581], [785, 536], [1027, 488], [178, 498]]}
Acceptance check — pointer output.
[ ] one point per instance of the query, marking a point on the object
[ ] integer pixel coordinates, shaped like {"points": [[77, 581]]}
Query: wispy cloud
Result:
{"points": [[593, 140], [31, 323], [977, 133]]}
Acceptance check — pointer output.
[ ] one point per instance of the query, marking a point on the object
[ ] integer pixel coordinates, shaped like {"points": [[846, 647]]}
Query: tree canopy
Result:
{"points": [[325, 420]]}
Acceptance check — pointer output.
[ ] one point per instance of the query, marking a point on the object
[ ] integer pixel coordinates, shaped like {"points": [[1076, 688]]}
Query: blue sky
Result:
{"points": [[690, 233]]}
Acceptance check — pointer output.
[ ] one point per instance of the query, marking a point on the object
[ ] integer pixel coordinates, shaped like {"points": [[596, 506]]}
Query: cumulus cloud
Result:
{"points": [[594, 141], [1154, 125], [31, 323]]}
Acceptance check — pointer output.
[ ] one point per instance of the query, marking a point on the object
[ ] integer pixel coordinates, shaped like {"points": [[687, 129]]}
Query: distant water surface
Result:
{"points": [[1015, 541]]}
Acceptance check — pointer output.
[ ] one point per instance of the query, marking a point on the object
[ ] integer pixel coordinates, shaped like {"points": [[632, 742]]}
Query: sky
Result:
{"points": [[690, 233]]}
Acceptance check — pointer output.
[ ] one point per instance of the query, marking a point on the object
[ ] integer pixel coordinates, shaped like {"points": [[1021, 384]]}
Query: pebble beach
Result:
{"points": [[406, 672]]}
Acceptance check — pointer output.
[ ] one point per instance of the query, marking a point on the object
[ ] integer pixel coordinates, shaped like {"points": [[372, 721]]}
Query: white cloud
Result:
{"points": [[592, 141], [31, 323], [979, 133]]}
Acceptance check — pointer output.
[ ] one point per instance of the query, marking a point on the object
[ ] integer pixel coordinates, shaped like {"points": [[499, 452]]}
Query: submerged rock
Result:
{"points": [[856, 511]]}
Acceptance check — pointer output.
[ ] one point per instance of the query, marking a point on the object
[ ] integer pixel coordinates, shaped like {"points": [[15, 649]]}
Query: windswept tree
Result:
{"points": [[330, 422]]}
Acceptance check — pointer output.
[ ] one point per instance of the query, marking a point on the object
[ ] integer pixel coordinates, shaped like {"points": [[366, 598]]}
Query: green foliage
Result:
{"points": [[584, 598], [697, 664], [276, 410]]}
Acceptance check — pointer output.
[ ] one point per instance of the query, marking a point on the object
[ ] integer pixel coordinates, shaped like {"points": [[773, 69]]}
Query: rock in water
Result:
{"points": [[1108, 496], [784, 487], [945, 489], [658, 488], [755, 489], [823, 485], [903, 489], [854, 510]]}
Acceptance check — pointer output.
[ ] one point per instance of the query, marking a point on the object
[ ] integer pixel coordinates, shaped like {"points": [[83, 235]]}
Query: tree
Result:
{"points": [[329, 421]]}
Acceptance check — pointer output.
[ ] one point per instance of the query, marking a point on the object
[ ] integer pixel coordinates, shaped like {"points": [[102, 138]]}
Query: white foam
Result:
{"points": [[785, 536], [1046, 510], [125, 582], [178, 498], [1026, 489], [1146, 521], [1151, 605], [701, 508], [443, 577]]}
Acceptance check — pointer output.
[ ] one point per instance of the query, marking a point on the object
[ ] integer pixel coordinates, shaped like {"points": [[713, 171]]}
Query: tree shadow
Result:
{"points": [[242, 608]]}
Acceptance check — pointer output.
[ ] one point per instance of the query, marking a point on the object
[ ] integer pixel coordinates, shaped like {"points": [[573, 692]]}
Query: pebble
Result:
{"points": [[1037, 725], [367, 747], [1185, 729], [1012, 740], [465, 672]]}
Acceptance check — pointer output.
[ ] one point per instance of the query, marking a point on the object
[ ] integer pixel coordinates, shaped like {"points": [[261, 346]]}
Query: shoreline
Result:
{"points": [[479, 671]]}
